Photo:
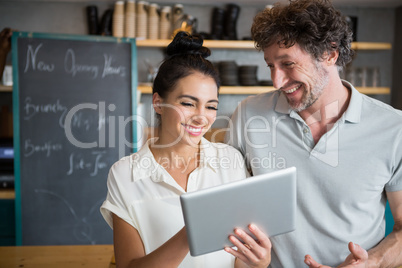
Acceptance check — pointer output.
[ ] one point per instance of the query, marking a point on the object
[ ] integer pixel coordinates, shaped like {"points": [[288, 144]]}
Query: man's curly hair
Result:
{"points": [[315, 25]]}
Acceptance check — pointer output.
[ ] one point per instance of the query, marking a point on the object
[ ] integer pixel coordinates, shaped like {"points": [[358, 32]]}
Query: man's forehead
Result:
{"points": [[278, 52]]}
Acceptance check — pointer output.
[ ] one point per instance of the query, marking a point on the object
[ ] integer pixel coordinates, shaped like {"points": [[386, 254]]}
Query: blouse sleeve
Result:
{"points": [[117, 200]]}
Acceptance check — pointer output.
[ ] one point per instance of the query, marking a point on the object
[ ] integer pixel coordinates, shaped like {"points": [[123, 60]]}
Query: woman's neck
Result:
{"points": [[175, 154]]}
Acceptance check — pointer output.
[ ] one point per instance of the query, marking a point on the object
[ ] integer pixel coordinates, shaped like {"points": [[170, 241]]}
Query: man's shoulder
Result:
{"points": [[261, 101], [381, 109]]}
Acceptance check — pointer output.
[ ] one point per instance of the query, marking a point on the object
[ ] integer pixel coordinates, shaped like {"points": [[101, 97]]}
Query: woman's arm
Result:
{"points": [[129, 249]]}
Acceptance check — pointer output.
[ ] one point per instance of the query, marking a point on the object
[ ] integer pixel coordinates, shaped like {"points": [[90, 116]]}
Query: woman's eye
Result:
{"points": [[212, 108], [188, 104]]}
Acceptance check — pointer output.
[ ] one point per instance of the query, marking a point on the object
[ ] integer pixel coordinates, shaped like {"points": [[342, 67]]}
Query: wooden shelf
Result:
{"points": [[374, 90], [145, 89], [240, 44], [4, 88], [234, 44], [371, 46]]}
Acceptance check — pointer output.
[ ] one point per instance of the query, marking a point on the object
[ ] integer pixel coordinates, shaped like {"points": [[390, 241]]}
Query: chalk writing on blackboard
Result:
{"points": [[31, 109], [45, 148], [36, 65], [72, 67], [109, 69], [92, 163], [83, 230], [74, 103]]}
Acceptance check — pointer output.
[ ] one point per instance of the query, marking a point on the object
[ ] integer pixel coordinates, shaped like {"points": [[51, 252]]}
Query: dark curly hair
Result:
{"points": [[315, 25]]}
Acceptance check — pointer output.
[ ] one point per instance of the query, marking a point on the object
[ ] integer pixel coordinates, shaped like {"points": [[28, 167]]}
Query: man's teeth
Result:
{"points": [[292, 90]]}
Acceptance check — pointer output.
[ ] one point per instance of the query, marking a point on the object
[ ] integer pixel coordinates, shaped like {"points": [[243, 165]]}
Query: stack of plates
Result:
{"points": [[248, 75], [228, 73]]}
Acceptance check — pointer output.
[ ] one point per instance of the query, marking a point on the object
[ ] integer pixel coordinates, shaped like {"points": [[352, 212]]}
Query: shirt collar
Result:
{"points": [[143, 164], [352, 113], [208, 154], [354, 110], [282, 106]]}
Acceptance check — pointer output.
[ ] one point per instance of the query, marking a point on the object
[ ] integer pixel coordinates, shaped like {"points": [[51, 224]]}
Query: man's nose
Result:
{"points": [[278, 77]]}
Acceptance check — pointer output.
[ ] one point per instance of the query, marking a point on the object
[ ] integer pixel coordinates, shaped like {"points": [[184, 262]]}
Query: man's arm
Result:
{"points": [[388, 253], [5, 47]]}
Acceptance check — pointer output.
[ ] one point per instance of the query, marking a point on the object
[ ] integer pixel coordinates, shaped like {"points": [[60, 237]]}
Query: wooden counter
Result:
{"points": [[88, 256], [7, 194]]}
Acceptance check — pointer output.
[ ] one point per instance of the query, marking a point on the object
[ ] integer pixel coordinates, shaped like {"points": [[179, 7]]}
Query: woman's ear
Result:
{"points": [[157, 103]]}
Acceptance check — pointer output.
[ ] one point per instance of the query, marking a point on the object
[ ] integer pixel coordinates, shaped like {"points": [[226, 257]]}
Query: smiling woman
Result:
{"points": [[188, 111], [143, 201]]}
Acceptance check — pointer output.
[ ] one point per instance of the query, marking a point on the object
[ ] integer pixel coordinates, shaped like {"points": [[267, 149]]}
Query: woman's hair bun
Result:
{"points": [[184, 43]]}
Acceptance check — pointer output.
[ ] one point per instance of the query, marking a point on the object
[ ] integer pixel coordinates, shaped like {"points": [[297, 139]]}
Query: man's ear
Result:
{"points": [[157, 103], [331, 57]]}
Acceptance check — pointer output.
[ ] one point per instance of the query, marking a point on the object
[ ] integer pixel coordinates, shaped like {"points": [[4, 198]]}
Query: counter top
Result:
{"points": [[7, 194], [88, 256]]}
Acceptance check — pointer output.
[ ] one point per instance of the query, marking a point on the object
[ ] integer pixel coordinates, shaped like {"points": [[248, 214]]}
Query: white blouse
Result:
{"points": [[142, 192]]}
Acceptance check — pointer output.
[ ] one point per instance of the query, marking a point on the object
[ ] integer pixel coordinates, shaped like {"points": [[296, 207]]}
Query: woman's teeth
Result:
{"points": [[193, 129]]}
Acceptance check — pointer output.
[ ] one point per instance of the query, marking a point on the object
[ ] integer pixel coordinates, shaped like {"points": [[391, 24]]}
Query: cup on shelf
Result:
{"points": [[153, 22], [8, 75], [142, 20], [363, 76], [118, 19], [177, 16], [374, 76], [130, 19], [165, 27]]}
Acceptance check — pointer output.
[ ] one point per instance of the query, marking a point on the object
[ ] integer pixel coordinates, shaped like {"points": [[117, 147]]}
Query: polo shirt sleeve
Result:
{"points": [[395, 183], [117, 199], [234, 136]]}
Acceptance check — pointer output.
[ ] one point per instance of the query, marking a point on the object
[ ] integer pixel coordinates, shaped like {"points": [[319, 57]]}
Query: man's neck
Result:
{"points": [[327, 110]]}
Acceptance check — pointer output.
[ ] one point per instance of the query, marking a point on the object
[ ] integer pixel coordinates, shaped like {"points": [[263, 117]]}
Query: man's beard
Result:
{"points": [[320, 80]]}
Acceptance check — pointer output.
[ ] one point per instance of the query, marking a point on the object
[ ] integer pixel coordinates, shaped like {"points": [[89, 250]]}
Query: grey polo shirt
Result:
{"points": [[341, 180]]}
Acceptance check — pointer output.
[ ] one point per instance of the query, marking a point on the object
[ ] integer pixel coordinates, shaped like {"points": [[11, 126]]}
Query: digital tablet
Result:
{"points": [[212, 214]]}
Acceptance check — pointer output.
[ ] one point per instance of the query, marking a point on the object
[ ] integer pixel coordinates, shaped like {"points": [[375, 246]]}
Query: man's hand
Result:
{"points": [[358, 258]]}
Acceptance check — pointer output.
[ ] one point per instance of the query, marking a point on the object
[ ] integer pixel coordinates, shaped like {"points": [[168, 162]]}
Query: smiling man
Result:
{"points": [[347, 147]]}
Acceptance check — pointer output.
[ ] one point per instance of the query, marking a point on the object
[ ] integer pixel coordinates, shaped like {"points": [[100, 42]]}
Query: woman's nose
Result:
{"points": [[199, 116]]}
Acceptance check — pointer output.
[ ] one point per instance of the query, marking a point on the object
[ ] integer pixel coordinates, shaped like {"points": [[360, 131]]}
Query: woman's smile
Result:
{"points": [[195, 131]]}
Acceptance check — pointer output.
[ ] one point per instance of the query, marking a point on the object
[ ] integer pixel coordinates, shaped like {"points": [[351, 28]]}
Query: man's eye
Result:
{"points": [[289, 64]]}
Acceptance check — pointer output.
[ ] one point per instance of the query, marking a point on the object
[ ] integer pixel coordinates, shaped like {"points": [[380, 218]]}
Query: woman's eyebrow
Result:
{"points": [[188, 96], [195, 98]]}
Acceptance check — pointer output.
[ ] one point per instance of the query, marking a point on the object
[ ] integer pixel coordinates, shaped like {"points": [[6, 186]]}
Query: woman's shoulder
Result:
{"points": [[124, 163], [127, 162]]}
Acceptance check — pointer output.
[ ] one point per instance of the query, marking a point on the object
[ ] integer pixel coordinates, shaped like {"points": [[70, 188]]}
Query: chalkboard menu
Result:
{"points": [[73, 105]]}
